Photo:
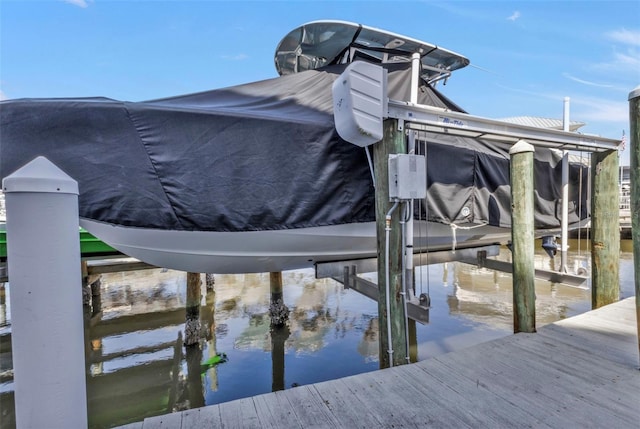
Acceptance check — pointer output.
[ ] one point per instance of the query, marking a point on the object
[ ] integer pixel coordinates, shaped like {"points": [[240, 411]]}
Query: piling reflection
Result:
{"points": [[279, 335], [150, 370], [134, 346]]}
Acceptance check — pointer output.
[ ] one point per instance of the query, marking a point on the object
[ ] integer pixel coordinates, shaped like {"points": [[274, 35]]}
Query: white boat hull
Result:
{"points": [[273, 250]]}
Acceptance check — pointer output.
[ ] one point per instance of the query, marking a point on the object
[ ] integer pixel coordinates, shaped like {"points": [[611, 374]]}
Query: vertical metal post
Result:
{"points": [[411, 149], [634, 136], [564, 226], [43, 251], [409, 274], [522, 237]]}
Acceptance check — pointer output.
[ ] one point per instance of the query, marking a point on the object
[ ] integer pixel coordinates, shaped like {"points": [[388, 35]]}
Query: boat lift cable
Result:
{"points": [[373, 176], [580, 205], [406, 215], [426, 217], [387, 230]]}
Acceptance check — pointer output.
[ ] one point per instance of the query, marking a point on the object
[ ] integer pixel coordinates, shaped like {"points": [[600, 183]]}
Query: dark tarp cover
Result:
{"points": [[259, 156]]}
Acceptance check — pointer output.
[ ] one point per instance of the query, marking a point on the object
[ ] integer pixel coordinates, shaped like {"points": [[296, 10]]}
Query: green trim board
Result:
{"points": [[89, 244]]}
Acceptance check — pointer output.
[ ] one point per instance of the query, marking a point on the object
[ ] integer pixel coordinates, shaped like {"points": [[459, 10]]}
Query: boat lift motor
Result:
{"points": [[550, 245], [360, 103]]}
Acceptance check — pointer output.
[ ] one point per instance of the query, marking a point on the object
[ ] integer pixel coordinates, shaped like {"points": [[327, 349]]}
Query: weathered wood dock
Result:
{"points": [[579, 372]]}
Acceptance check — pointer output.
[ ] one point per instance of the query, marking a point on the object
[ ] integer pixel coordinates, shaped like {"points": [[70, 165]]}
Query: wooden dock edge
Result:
{"points": [[577, 372]]}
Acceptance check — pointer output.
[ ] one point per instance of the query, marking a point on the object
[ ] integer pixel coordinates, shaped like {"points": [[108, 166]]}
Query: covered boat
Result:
{"points": [[255, 178]]}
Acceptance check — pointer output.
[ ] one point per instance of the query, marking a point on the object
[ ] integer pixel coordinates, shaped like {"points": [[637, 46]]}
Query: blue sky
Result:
{"points": [[525, 56]]}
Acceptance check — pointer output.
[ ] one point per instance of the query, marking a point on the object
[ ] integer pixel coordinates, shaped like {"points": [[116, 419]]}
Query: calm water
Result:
{"points": [[137, 366]]}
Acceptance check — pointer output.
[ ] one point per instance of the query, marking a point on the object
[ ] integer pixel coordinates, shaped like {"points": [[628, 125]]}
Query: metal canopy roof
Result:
{"points": [[536, 121]]}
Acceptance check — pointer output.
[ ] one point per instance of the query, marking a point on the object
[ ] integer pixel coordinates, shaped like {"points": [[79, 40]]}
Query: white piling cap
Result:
{"points": [[520, 147], [635, 93], [40, 175]]}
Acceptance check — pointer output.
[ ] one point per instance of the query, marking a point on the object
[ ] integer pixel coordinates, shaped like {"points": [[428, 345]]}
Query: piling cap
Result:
{"points": [[40, 175], [520, 147], [635, 93]]}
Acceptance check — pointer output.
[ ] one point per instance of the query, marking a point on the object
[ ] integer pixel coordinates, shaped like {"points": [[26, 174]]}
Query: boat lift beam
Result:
{"points": [[443, 121], [370, 265], [540, 274], [415, 310], [346, 272]]}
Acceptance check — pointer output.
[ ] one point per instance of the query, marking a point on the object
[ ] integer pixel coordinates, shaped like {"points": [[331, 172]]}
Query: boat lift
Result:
{"points": [[360, 107]]}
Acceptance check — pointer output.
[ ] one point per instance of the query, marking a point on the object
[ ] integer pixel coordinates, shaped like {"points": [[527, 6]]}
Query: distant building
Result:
{"points": [[550, 123]]}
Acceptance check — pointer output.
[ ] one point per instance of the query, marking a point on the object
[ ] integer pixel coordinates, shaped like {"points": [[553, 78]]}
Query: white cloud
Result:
{"points": [[586, 82], [588, 109], [621, 63], [629, 60], [625, 58], [79, 3], [237, 57], [515, 15], [602, 109], [629, 37]]}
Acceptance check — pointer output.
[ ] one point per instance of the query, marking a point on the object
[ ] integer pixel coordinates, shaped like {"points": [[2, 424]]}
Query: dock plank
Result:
{"points": [[202, 417], [346, 407], [275, 411], [619, 349], [475, 402], [166, 421], [579, 372], [578, 385], [491, 377], [530, 378], [415, 402], [136, 425], [376, 397], [239, 414], [310, 408]]}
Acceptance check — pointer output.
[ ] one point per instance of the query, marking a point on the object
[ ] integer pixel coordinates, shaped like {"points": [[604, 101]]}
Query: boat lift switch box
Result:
{"points": [[407, 177]]}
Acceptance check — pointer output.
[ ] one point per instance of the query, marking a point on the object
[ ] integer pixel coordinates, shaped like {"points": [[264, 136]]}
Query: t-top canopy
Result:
{"points": [[320, 43]]}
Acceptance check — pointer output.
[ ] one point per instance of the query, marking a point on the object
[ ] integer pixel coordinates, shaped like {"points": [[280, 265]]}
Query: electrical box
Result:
{"points": [[407, 177]]}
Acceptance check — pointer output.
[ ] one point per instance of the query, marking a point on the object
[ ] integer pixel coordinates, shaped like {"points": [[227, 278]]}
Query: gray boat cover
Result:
{"points": [[259, 156]]}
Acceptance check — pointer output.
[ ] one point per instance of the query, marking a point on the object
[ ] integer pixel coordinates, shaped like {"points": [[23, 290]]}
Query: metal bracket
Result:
{"points": [[482, 258], [349, 273], [416, 310]]}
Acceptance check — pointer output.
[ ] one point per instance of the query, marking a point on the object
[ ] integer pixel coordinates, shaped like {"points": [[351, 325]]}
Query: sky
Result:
{"points": [[526, 56]]}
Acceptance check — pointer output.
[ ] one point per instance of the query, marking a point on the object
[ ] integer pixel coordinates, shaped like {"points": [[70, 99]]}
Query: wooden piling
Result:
{"points": [[393, 142], [277, 310], [605, 229], [86, 292], [634, 136], [210, 281], [522, 237], [192, 322]]}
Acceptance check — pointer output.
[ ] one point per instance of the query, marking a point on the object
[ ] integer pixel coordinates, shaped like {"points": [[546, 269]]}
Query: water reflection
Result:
{"points": [[138, 366]]}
